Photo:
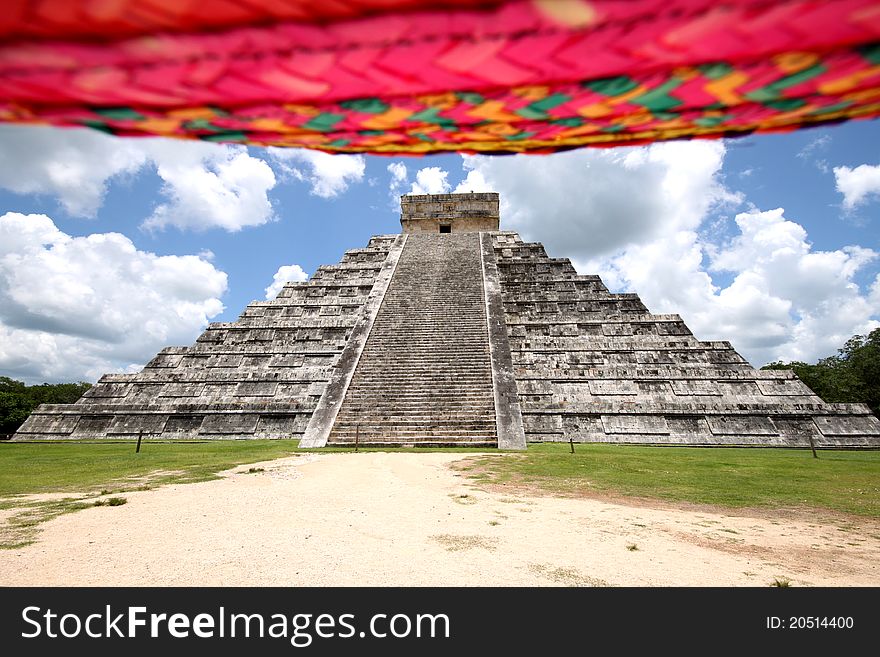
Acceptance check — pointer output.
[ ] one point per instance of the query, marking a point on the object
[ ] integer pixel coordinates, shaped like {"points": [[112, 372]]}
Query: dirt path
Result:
{"points": [[408, 519]]}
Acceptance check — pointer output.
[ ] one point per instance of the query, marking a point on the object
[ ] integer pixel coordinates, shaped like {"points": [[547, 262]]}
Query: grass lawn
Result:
{"points": [[730, 477], [846, 481], [80, 467], [86, 473]]}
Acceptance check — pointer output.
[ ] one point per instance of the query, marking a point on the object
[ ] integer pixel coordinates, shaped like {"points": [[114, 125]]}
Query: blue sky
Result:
{"points": [[770, 241]]}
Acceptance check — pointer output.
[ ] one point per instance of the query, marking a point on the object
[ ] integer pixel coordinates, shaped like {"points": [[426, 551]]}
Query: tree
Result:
{"points": [[852, 376], [17, 400]]}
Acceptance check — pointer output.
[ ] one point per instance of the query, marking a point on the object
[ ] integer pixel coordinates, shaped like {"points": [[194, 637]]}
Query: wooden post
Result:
{"points": [[571, 444], [138, 448], [357, 430], [812, 446]]}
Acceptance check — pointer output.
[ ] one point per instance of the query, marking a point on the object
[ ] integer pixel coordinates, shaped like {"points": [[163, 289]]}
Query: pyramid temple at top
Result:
{"points": [[455, 333]]}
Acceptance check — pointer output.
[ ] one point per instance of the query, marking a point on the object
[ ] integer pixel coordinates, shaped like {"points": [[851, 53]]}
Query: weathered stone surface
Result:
{"points": [[508, 415], [475, 337], [581, 354], [279, 356], [322, 420], [425, 374], [451, 213]]}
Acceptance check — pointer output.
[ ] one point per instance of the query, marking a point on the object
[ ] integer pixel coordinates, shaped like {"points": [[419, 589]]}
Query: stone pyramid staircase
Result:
{"points": [[425, 375]]}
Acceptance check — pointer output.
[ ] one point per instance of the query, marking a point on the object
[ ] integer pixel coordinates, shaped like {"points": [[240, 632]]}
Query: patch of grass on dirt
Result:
{"points": [[847, 481], [110, 501], [30, 468], [93, 470], [20, 528]]}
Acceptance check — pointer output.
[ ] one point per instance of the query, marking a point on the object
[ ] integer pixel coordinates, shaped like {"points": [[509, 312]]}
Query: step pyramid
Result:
{"points": [[455, 333]]}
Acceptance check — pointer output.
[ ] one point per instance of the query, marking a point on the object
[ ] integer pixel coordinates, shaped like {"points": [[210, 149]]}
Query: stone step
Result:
{"points": [[461, 421], [441, 396], [425, 369], [410, 431], [367, 432], [460, 380], [432, 441]]}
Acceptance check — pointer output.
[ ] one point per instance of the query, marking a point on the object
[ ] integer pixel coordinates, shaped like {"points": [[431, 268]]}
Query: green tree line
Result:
{"points": [[853, 375], [17, 400]]}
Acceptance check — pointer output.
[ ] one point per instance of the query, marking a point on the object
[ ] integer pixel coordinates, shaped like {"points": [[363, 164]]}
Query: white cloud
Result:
{"points": [[431, 180], [71, 164], [473, 182], [210, 187], [205, 185], [285, 273], [399, 181], [810, 152], [76, 307], [328, 175], [646, 219], [858, 185], [398, 174], [589, 202], [785, 301]]}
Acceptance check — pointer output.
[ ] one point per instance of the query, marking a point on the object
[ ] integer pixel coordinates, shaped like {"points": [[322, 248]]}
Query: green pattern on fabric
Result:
{"points": [[521, 135], [120, 113], [470, 97], [324, 122], [871, 53], [772, 91], [715, 70], [202, 124], [836, 107], [712, 121], [96, 125], [234, 136], [365, 105], [658, 100], [785, 104], [612, 86], [431, 115]]}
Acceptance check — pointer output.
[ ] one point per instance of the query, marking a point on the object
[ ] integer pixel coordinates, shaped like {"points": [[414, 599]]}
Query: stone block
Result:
{"points": [[745, 425], [613, 387], [108, 390], [852, 425], [132, 424], [256, 389], [695, 387], [797, 429], [142, 393], [229, 423], [38, 423], [635, 424], [92, 426], [165, 361], [783, 387], [738, 388], [182, 390], [544, 423], [278, 426], [654, 388], [226, 360], [183, 425], [693, 429], [582, 427]]}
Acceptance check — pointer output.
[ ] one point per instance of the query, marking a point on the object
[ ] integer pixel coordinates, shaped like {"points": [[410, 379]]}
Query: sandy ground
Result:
{"points": [[409, 519]]}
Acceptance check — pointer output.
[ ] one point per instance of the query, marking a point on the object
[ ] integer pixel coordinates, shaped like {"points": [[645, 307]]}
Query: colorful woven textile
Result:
{"points": [[402, 76]]}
